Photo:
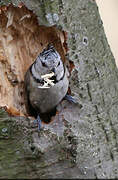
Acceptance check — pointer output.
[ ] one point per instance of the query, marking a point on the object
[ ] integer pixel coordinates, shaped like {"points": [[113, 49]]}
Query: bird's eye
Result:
{"points": [[58, 63], [43, 64]]}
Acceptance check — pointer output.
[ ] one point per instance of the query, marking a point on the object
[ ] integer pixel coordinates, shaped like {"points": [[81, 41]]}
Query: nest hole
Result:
{"points": [[22, 38]]}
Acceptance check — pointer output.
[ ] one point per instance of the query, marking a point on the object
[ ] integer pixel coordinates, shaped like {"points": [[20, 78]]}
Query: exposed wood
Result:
{"points": [[21, 40]]}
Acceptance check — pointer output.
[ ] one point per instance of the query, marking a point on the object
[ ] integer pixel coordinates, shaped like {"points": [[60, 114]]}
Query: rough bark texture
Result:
{"points": [[82, 139]]}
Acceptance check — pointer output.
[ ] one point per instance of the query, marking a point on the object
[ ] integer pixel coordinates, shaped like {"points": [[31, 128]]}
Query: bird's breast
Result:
{"points": [[46, 99]]}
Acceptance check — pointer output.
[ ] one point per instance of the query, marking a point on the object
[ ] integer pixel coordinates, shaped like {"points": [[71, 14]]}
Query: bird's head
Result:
{"points": [[49, 60]]}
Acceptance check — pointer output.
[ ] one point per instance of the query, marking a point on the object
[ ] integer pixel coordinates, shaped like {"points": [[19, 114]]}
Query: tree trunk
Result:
{"points": [[81, 140]]}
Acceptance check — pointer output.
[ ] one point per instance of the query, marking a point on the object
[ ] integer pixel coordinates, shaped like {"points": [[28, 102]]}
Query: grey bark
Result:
{"points": [[82, 141]]}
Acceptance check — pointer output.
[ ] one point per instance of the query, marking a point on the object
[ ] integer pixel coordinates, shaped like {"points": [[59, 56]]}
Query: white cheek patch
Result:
{"points": [[59, 71]]}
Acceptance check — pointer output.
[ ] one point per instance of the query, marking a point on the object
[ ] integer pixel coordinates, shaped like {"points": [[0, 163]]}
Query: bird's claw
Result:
{"points": [[38, 121]]}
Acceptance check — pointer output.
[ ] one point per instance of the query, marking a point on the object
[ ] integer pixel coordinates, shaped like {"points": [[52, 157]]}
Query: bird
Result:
{"points": [[46, 83]]}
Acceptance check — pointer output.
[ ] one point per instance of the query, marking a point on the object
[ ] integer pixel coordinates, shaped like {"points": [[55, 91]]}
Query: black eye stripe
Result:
{"points": [[58, 63], [43, 64]]}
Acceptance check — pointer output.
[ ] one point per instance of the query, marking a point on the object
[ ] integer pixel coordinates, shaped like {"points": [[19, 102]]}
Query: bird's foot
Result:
{"points": [[38, 121], [70, 98]]}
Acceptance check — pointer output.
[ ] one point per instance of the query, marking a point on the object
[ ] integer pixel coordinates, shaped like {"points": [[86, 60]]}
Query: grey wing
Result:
{"points": [[28, 106]]}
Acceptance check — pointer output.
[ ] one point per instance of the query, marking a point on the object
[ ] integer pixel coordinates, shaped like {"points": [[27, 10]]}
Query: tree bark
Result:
{"points": [[81, 141]]}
